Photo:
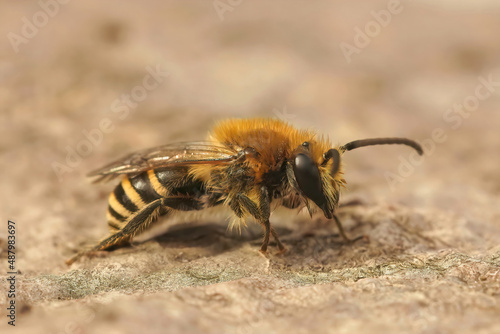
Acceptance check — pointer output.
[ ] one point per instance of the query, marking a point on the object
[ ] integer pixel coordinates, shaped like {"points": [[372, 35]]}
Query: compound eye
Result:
{"points": [[308, 178]]}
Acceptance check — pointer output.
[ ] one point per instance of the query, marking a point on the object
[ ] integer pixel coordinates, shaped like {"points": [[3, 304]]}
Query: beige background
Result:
{"points": [[431, 264]]}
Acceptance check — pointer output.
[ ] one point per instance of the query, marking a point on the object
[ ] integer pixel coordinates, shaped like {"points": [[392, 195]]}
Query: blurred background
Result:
{"points": [[84, 82]]}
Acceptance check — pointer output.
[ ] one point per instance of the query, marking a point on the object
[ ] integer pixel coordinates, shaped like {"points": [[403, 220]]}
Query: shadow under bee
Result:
{"points": [[209, 235], [217, 238]]}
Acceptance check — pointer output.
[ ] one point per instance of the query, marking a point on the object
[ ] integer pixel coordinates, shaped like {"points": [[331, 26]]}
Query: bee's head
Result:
{"points": [[318, 176]]}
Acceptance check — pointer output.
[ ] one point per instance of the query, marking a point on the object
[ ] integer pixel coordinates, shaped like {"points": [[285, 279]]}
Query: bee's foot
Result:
{"points": [[360, 237], [282, 250], [264, 253]]}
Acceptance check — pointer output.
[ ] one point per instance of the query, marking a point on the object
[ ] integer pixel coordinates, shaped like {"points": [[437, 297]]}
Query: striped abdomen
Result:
{"points": [[133, 193]]}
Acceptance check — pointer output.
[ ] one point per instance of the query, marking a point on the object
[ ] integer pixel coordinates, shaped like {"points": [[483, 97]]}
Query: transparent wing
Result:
{"points": [[177, 154]]}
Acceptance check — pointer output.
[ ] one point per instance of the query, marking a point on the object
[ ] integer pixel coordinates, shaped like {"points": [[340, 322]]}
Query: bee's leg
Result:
{"points": [[141, 220], [342, 233], [136, 224], [143, 217], [280, 245], [261, 212], [265, 212], [267, 229]]}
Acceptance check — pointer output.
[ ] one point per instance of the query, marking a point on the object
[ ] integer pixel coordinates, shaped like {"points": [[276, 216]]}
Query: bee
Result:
{"points": [[249, 165]]}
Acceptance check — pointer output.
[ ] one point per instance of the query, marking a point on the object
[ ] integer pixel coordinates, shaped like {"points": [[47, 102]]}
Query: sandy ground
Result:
{"points": [[431, 259]]}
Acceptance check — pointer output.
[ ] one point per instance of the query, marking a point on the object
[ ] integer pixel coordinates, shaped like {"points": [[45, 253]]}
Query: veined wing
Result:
{"points": [[177, 154]]}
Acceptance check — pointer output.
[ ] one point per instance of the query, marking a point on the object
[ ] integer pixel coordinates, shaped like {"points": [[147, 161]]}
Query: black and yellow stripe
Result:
{"points": [[159, 187], [133, 194], [136, 192], [115, 220]]}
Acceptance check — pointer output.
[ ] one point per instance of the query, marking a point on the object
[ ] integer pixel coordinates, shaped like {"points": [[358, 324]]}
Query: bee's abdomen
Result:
{"points": [[131, 195]]}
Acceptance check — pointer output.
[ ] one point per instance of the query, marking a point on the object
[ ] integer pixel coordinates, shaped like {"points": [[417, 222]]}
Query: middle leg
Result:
{"points": [[261, 212], [267, 231]]}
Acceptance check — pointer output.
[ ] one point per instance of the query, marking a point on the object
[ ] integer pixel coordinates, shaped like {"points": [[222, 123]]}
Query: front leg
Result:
{"points": [[342, 233], [293, 203]]}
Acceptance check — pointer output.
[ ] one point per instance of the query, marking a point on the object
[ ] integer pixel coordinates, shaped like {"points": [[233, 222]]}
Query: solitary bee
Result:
{"points": [[249, 165]]}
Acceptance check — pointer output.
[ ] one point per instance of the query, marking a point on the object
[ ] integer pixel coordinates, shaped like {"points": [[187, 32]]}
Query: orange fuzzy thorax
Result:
{"points": [[274, 139], [270, 137]]}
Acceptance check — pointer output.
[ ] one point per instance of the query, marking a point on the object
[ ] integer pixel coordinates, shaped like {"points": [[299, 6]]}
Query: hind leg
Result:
{"points": [[140, 221]]}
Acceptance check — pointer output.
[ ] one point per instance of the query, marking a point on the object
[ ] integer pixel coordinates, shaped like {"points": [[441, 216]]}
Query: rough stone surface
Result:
{"points": [[430, 259]]}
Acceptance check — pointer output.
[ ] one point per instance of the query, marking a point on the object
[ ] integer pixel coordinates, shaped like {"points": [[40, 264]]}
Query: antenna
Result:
{"points": [[383, 141]]}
